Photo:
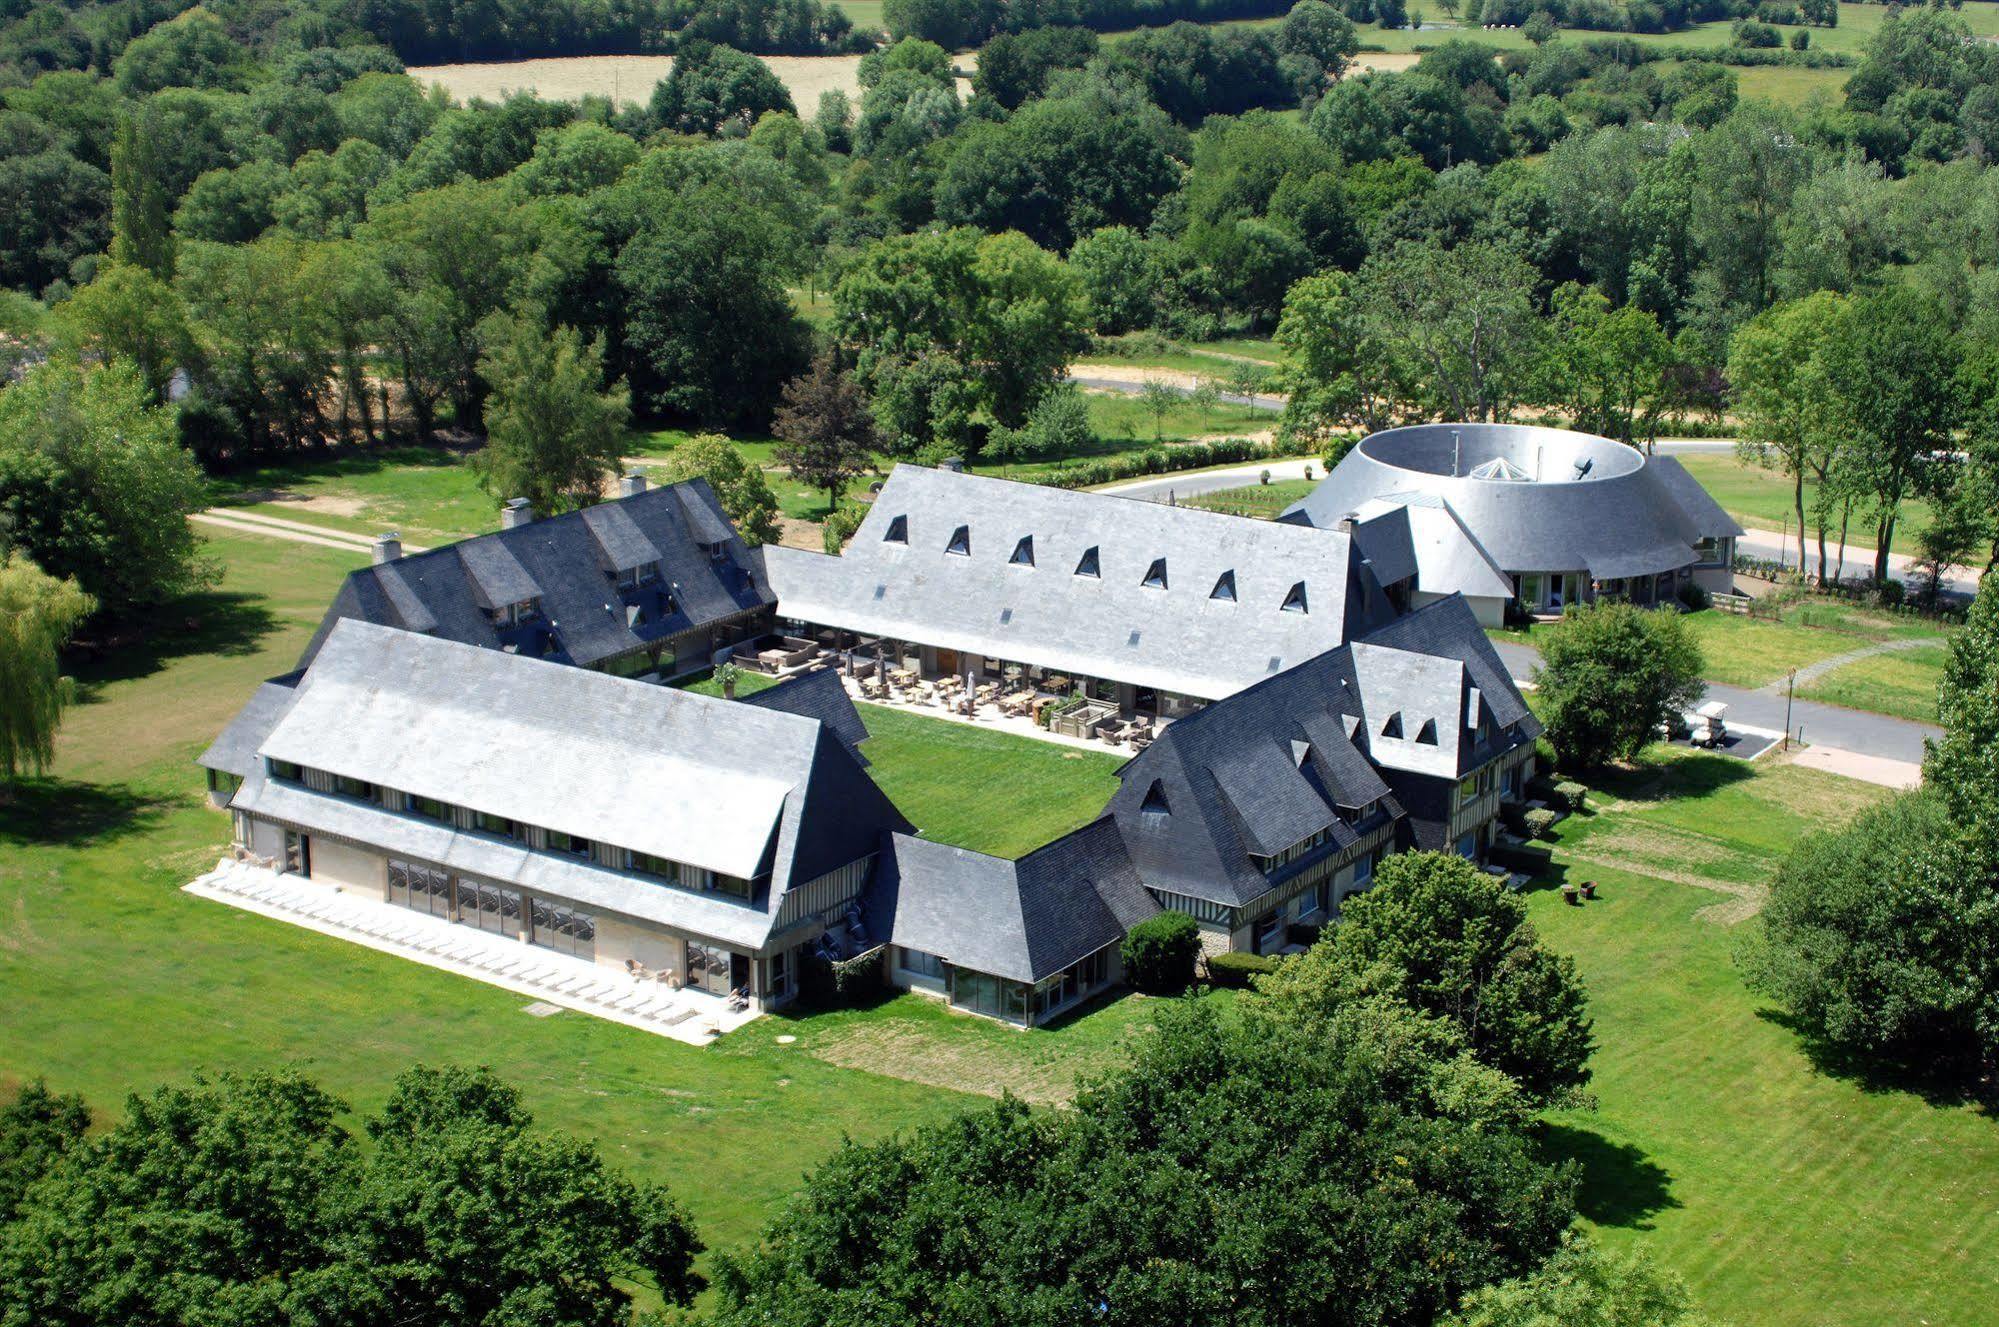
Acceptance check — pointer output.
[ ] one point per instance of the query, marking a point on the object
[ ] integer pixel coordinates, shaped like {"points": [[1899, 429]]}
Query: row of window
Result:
{"points": [[491, 908], [560, 842], [1090, 564]]}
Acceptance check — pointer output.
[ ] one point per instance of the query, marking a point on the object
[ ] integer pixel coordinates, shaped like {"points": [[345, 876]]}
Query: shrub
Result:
{"points": [[1159, 953], [1571, 794], [1538, 823], [852, 981], [1521, 858], [1695, 596], [1234, 970], [840, 525]]}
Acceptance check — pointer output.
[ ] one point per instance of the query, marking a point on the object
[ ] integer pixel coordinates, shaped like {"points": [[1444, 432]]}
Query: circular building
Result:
{"points": [[1563, 516]]}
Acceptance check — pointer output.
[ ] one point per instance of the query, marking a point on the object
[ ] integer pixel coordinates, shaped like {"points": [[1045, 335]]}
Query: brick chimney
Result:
{"points": [[388, 547], [630, 486], [515, 512]]}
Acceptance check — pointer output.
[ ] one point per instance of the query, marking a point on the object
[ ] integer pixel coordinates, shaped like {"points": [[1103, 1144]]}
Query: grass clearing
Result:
{"points": [[1763, 499], [1902, 683], [430, 494], [1125, 422], [1263, 501]]}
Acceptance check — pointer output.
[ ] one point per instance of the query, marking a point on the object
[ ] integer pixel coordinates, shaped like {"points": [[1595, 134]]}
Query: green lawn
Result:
{"points": [[429, 494], [1786, 1194], [1762, 499], [1903, 683], [1126, 421], [1265, 501]]}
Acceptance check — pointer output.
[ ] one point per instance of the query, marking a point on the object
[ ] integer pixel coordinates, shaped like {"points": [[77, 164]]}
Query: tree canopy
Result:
{"points": [[1610, 674]]}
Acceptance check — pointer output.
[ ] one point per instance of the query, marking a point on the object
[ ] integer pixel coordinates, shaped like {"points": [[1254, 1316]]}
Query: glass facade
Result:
{"points": [[563, 929]]}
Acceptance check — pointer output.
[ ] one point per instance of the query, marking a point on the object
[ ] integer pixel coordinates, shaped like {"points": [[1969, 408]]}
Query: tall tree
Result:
{"points": [[128, 313], [740, 486], [1462, 321], [825, 430], [1776, 377], [141, 209], [96, 485], [1606, 367], [555, 432], [37, 615], [1893, 370], [1337, 366]]}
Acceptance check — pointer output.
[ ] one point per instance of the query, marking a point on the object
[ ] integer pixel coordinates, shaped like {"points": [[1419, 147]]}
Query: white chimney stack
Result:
{"points": [[388, 547], [515, 512], [630, 486]]}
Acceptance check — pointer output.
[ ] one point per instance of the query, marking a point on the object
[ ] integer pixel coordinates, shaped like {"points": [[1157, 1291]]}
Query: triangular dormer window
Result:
{"points": [[1393, 728], [961, 542], [1427, 734], [1294, 602], [1300, 752], [898, 530], [1224, 587], [1155, 808], [1023, 552], [1155, 575], [1087, 566]]}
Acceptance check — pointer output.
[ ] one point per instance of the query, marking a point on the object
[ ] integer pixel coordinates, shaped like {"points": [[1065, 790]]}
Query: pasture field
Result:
{"points": [[628, 80]]}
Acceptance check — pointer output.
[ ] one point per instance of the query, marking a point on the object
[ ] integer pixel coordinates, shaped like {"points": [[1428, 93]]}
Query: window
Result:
{"points": [[351, 787], [1023, 552], [1468, 789], [1393, 728], [558, 841], [1087, 565], [1363, 872], [489, 908], [298, 854], [1311, 903], [562, 929], [488, 823], [659, 868], [286, 770], [223, 782], [1270, 932], [1224, 588], [1155, 575], [1294, 602], [1427, 734], [630, 578], [898, 530], [1154, 810], [430, 808], [732, 885], [513, 614], [961, 542], [420, 888], [780, 975], [918, 963]]}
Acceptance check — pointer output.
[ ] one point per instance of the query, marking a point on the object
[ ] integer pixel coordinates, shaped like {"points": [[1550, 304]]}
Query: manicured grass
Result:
{"points": [[1265, 501], [1786, 1194], [1127, 420], [429, 494], [1762, 499], [989, 791], [1902, 683], [113, 980]]}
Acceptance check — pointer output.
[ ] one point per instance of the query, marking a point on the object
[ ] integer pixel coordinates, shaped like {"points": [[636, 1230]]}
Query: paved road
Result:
{"points": [[1859, 559], [1821, 725]]}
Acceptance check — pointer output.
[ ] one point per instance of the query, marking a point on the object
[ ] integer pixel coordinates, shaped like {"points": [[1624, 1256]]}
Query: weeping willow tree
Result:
{"points": [[37, 614]]}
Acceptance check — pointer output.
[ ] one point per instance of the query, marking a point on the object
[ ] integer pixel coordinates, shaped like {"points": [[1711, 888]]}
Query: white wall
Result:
{"points": [[353, 869], [1489, 611]]}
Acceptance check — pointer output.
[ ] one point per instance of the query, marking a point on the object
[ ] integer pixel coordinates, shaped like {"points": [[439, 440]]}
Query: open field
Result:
{"points": [[1761, 499], [628, 80], [1786, 1192], [1264, 501]]}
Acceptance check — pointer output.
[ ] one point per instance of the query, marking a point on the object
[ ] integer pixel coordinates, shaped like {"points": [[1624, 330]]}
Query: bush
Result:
{"points": [[1570, 794], [1234, 970], [1538, 823], [840, 525], [1695, 596], [1526, 860], [1159, 953], [854, 982]]}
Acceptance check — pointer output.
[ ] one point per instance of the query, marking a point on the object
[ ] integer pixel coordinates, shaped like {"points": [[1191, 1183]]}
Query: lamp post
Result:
{"points": [[1790, 686]]}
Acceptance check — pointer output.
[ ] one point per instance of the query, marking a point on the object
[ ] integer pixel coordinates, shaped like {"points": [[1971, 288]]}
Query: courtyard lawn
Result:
{"points": [[1127, 419], [1902, 683], [1785, 1192], [113, 980], [978, 788]]}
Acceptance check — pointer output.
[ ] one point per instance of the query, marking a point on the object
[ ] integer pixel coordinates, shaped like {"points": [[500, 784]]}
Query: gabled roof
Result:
{"points": [[1303, 752], [1449, 557], [567, 565], [234, 750], [1109, 624], [731, 787], [817, 695], [1022, 920]]}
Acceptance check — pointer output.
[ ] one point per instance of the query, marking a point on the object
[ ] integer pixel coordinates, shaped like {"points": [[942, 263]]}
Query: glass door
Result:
{"points": [[708, 968]]}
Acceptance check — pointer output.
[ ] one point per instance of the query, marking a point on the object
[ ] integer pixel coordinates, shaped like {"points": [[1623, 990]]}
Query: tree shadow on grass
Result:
{"points": [[218, 622], [1688, 777], [1934, 1076], [43, 812], [1621, 1185]]}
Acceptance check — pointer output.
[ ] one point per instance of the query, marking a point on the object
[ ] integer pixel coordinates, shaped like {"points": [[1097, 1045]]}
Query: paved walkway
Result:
{"points": [[1812, 672], [557, 980], [1859, 559]]}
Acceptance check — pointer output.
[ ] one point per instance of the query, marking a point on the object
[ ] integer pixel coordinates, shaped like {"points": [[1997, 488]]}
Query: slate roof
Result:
{"points": [[1304, 751], [569, 563], [1449, 559], [1179, 638], [234, 750], [1022, 920], [817, 695], [736, 788], [1625, 515]]}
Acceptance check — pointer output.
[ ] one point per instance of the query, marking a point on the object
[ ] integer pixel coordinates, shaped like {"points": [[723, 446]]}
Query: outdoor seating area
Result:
{"points": [[776, 655]]}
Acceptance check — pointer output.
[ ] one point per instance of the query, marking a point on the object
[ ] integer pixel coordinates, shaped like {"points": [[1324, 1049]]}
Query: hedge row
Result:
{"points": [[1235, 970], [1168, 460]]}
